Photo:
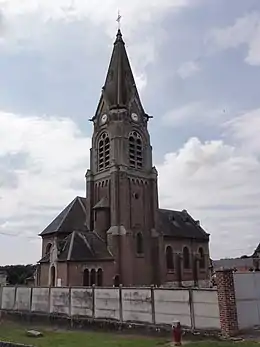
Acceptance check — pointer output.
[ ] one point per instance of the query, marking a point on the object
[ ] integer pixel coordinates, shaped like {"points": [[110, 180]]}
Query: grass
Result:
{"points": [[16, 333]]}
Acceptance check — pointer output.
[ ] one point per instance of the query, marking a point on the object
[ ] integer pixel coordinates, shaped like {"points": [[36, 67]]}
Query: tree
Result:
{"points": [[17, 274]]}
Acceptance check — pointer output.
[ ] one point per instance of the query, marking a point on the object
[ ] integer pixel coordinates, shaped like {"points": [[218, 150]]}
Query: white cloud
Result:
{"points": [[245, 130], [245, 31], [218, 184], [56, 154], [33, 24], [188, 69], [133, 12]]}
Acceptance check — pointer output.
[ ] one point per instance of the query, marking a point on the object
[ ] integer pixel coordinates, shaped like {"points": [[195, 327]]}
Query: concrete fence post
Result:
{"points": [[153, 305], [93, 302], [120, 304], [49, 301], [192, 311], [70, 302], [31, 296], [227, 302], [15, 295], [1, 297]]}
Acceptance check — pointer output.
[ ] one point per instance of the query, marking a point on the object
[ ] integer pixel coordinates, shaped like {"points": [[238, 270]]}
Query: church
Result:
{"points": [[117, 234]]}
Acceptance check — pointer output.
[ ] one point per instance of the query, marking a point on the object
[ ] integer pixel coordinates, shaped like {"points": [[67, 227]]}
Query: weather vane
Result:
{"points": [[119, 20]]}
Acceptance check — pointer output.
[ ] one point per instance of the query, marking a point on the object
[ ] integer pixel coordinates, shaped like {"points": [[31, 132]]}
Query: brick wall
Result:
{"points": [[227, 302]]}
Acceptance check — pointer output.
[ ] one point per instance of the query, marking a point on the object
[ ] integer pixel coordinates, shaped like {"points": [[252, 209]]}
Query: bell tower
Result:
{"points": [[122, 197]]}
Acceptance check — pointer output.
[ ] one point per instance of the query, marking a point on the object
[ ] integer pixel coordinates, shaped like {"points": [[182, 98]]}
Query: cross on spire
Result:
{"points": [[119, 20]]}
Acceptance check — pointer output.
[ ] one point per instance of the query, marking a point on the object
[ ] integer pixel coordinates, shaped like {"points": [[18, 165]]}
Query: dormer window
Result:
{"points": [[103, 152], [135, 150]]}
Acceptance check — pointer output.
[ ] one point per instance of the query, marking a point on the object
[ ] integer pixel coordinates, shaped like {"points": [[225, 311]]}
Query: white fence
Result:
{"points": [[247, 292], [195, 309]]}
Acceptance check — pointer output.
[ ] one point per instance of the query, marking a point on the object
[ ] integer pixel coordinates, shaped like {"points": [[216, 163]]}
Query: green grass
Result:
{"points": [[16, 333]]}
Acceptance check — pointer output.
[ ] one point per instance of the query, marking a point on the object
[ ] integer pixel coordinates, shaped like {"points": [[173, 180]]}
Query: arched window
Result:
{"points": [[100, 277], [86, 278], [135, 150], [186, 258], [92, 277], [201, 258], [169, 258], [103, 152], [48, 248], [53, 276], [139, 244], [116, 281]]}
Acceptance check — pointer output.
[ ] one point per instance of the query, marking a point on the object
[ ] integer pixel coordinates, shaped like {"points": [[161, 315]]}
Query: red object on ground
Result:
{"points": [[176, 333]]}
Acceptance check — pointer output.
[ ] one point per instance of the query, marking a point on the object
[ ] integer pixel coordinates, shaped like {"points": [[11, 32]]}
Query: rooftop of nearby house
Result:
{"points": [[234, 263]]}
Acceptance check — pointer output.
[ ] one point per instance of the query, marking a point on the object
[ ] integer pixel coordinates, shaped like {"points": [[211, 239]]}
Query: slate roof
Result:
{"points": [[180, 224], [73, 217], [81, 246]]}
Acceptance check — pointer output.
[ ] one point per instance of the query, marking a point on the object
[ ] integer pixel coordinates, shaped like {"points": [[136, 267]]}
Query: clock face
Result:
{"points": [[134, 117], [103, 119]]}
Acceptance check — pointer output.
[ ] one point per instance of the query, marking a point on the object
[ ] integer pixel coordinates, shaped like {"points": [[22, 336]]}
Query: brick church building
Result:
{"points": [[117, 234]]}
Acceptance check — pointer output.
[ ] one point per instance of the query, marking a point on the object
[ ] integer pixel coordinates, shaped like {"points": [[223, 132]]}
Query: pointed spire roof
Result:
{"points": [[119, 87]]}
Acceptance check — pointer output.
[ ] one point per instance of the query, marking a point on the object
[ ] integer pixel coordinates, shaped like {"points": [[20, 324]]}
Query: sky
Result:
{"points": [[197, 67]]}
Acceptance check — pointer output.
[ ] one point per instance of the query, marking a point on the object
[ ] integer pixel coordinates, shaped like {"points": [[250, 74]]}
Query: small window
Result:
{"points": [[135, 150], [93, 277], [86, 278], [139, 243], [169, 258], [201, 258], [53, 276], [48, 248], [186, 258], [103, 152], [100, 277]]}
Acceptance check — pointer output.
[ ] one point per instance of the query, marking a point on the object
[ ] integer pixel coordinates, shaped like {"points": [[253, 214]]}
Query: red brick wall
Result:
{"points": [[227, 302], [44, 275], [187, 274]]}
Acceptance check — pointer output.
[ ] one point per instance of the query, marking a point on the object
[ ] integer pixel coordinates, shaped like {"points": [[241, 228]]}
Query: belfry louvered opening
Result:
{"points": [[103, 152], [135, 150]]}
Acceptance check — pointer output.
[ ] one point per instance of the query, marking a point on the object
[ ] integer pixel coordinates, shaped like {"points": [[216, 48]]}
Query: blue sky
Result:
{"points": [[197, 66]]}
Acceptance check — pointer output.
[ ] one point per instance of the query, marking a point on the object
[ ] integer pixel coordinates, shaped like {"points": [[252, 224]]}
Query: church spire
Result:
{"points": [[119, 87]]}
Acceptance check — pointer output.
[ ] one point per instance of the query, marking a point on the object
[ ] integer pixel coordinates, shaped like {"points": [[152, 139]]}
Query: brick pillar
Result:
{"points": [[227, 302]]}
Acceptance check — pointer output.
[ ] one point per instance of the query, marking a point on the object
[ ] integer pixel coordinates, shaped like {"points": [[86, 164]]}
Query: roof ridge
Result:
{"points": [[71, 245], [100, 238], [86, 242], [64, 217], [81, 203]]}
